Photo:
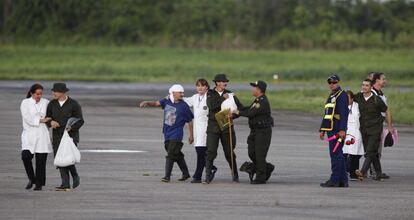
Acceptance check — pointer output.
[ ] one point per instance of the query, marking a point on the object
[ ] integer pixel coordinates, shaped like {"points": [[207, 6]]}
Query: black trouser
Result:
{"points": [[173, 149], [213, 139], [174, 154], [64, 171], [201, 162], [371, 145], [40, 177], [258, 144], [352, 164]]}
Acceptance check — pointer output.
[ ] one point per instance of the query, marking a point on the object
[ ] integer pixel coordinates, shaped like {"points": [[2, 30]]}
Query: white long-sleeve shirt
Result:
{"points": [[199, 105], [35, 135]]}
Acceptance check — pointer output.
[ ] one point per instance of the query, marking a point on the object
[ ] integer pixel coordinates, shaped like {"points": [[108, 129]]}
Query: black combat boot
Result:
{"points": [[378, 171], [249, 168], [168, 169], [184, 169], [329, 184], [269, 169]]}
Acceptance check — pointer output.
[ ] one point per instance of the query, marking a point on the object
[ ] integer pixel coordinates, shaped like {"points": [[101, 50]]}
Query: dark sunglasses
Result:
{"points": [[333, 82]]}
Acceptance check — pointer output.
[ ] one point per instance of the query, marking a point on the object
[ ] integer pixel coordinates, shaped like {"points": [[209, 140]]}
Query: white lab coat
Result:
{"points": [[35, 135], [353, 132], [200, 109]]}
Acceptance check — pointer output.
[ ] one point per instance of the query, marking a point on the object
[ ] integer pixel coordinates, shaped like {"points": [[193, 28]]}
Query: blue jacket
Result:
{"points": [[340, 119]]}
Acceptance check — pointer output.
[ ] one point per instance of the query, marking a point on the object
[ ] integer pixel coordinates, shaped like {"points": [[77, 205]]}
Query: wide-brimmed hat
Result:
{"points": [[220, 78], [60, 87]]}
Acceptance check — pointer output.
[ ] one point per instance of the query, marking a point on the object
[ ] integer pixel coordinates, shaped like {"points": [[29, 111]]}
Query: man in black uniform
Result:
{"points": [[215, 97], [60, 110], [370, 107], [260, 123]]}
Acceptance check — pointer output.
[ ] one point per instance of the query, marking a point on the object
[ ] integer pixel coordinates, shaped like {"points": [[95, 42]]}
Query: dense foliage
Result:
{"points": [[279, 24]]}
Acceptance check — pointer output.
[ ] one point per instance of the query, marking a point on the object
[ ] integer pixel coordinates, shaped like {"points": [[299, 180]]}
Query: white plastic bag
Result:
{"points": [[229, 103], [67, 154]]}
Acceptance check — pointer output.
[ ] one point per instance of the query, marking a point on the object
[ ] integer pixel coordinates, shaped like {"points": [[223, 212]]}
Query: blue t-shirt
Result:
{"points": [[175, 117]]}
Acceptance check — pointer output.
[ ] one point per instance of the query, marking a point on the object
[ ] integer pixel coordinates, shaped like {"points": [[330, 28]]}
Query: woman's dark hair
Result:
{"points": [[202, 82], [376, 77], [33, 89], [350, 93]]}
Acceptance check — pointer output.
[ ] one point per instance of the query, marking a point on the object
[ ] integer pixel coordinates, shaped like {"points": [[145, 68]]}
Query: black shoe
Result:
{"points": [[235, 179], [29, 184], [344, 184], [76, 181], [258, 182], [165, 180], [213, 173], [210, 176], [38, 188], [249, 168], [385, 176], [169, 164], [195, 181], [329, 184], [63, 188], [377, 178], [270, 169], [184, 177]]}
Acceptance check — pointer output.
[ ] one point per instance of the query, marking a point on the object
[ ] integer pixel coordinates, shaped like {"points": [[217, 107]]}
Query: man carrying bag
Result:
{"points": [[60, 110]]}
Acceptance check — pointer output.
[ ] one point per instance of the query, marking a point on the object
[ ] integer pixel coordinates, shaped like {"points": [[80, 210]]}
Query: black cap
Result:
{"points": [[333, 77], [220, 78], [260, 84], [60, 87]]}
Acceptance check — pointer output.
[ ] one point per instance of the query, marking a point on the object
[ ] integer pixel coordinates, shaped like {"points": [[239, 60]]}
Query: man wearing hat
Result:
{"points": [[260, 123], [215, 97], [334, 123], [60, 109], [176, 114]]}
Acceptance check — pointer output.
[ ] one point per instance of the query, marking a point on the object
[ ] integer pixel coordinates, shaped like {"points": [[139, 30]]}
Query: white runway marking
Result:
{"points": [[112, 151]]}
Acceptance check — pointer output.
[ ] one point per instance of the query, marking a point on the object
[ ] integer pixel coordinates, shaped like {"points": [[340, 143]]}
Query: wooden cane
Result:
{"points": [[231, 148]]}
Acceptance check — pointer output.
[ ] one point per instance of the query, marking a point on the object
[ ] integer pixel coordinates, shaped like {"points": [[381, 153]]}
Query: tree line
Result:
{"points": [[219, 24]]}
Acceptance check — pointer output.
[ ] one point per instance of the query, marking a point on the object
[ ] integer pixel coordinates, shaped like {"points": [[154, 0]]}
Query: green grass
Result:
{"points": [[309, 68], [184, 65]]}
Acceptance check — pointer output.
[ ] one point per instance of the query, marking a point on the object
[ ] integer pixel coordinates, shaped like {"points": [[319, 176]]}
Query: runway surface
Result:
{"points": [[123, 162]]}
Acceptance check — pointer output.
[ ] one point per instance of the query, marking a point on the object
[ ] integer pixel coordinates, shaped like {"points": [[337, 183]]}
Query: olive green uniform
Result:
{"points": [[371, 125], [214, 134], [260, 123]]}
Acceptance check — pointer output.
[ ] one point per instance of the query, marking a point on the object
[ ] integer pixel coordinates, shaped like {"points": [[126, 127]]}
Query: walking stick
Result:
{"points": [[231, 148]]}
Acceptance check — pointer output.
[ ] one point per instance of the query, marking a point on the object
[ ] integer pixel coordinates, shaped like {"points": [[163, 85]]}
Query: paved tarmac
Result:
{"points": [[127, 185]]}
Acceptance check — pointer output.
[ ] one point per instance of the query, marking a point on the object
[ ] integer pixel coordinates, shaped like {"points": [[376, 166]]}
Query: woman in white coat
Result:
{"points": [[199, 105], [353, 148], [35, 136]]}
